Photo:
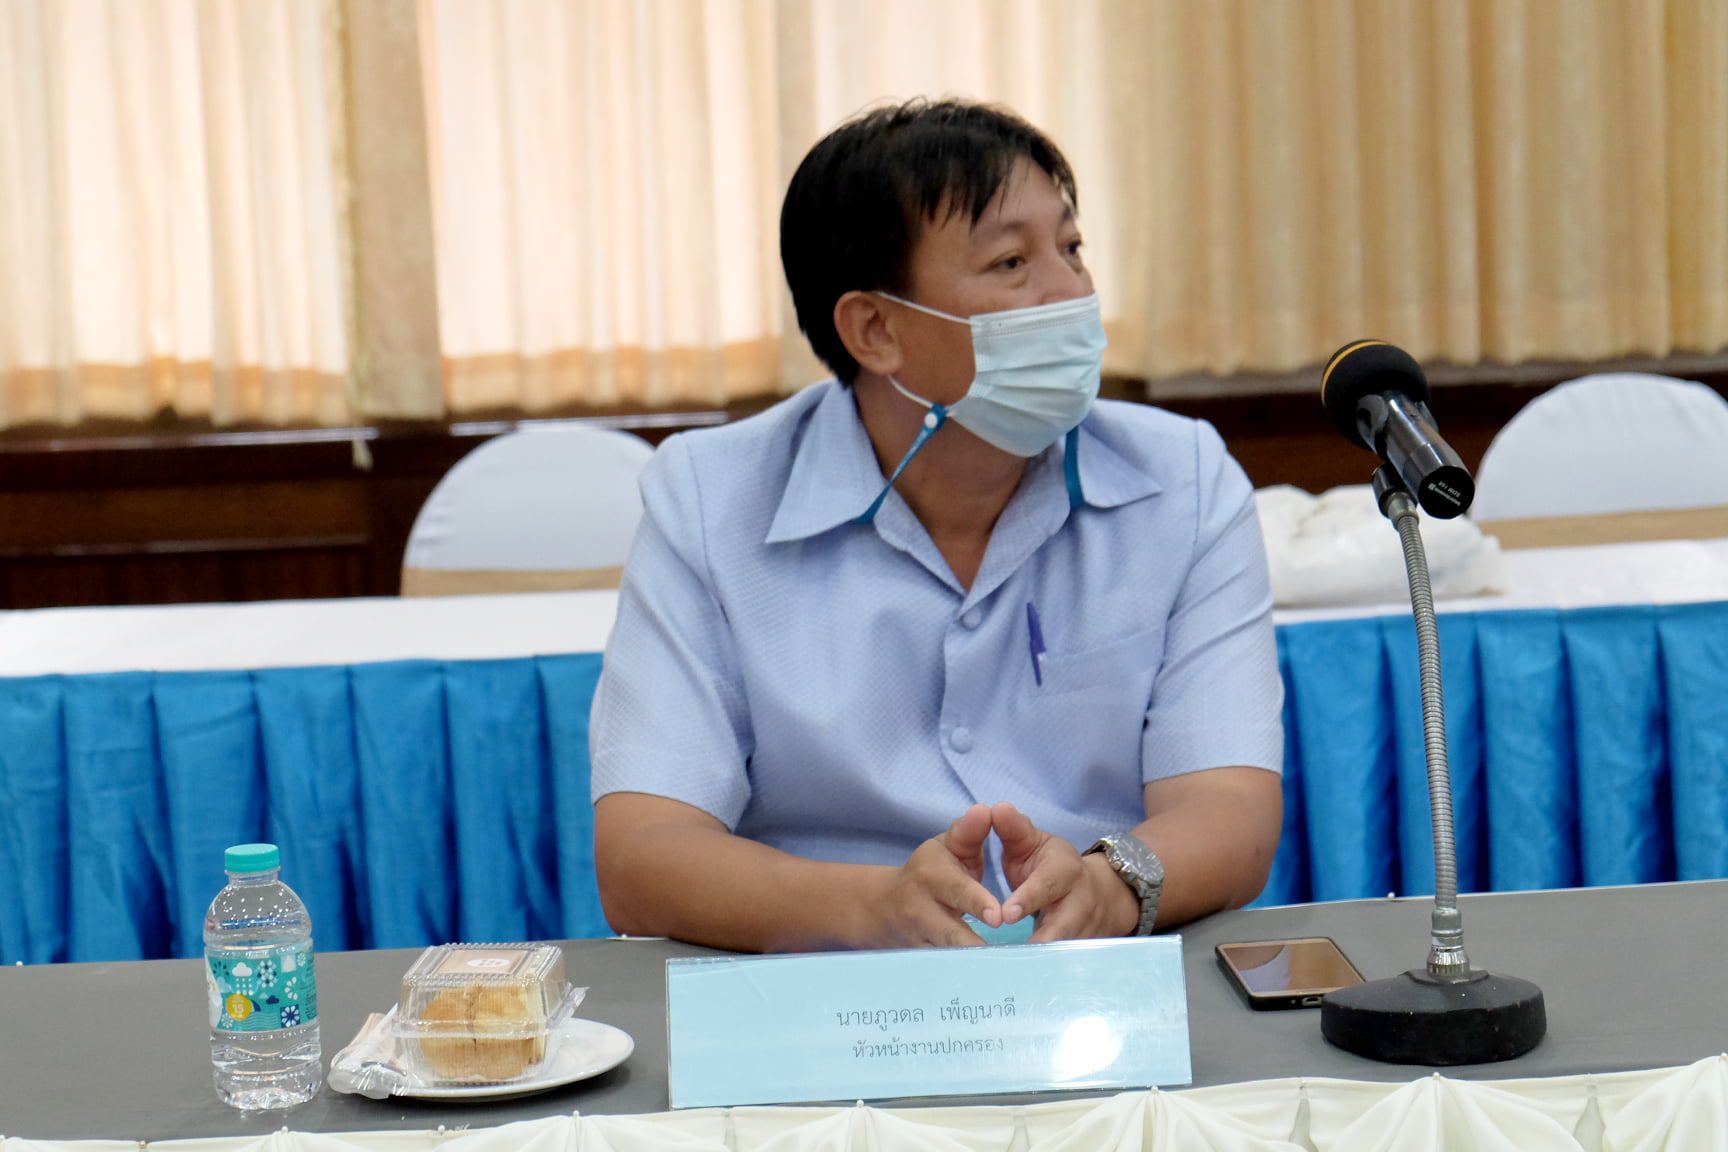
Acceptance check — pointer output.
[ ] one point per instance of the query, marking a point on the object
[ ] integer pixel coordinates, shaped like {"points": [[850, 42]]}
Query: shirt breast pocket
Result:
{"points": [[1130, 661]]}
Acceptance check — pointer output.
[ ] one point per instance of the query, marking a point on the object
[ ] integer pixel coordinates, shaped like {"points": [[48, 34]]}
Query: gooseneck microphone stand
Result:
{"points": [[1446, 957], [1446, 1012]]}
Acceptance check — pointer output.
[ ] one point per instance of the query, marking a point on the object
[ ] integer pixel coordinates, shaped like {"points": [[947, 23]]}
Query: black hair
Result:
{"points": [[862, 196]]}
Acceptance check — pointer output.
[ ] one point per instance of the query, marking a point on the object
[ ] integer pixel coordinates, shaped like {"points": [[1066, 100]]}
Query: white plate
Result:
{"points": [[586, 1048]]}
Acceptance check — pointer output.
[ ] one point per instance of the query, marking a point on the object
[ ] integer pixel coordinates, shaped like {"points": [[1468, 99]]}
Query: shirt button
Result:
{"points": [[972, 619], [960, 739]]}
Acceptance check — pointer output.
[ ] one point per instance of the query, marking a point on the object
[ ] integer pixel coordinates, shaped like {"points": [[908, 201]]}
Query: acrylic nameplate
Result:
{"points": [[927, 1022]]}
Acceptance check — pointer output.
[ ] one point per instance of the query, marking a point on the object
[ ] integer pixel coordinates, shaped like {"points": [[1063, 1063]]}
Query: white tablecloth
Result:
{"points": [[302, 633], [291, 633], [1660, 572]]}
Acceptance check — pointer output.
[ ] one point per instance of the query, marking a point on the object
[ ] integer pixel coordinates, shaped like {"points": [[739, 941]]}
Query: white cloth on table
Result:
{"points": [[1338, 549], [1660, 1110], [300, 633]]}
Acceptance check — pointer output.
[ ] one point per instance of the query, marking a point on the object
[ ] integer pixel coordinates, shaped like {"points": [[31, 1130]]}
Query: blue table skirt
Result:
{"points": [[425, 801], [414, 802]]}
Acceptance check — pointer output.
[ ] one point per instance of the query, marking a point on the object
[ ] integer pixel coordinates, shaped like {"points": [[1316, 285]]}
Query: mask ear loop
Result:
{"points": [[933, 421], [938, 416], [1071, 468]]}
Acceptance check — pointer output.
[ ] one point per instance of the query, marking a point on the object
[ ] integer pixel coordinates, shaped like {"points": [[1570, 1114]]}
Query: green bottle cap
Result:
{"points": [[251, 858]]}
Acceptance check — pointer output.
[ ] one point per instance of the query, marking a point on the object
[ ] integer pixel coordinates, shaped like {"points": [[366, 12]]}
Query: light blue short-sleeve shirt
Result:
{"points": [[828, 688]]}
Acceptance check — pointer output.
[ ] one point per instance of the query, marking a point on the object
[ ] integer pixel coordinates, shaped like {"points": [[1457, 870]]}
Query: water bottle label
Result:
{"points": [[263, 989]]}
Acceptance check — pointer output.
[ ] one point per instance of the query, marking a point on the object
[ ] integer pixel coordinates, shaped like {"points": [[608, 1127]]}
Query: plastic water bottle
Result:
{"points": [[263, 998]]}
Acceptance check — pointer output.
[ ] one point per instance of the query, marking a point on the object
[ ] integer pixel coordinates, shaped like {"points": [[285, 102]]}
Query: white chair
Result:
{"points": [[1624, 449], [548, 507]]}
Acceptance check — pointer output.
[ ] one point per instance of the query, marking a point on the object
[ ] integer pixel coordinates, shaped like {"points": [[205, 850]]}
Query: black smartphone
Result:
{"points": [[1287, 973]]}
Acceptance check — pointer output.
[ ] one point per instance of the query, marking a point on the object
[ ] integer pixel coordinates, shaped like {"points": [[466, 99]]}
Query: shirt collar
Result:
{"points": [[834, 473], [1109, 479], [835, 476]]}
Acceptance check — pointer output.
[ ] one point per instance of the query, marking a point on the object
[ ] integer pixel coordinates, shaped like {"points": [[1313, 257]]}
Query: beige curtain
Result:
{"points": [[607, 174], [605, 191], [1495, 180], [169, 229]]}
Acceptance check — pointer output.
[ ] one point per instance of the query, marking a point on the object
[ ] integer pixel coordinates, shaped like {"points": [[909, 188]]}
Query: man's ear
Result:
{"points": [[866, 328]]}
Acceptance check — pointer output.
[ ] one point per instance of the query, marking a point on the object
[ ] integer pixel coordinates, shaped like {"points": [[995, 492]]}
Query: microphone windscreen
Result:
{"points": [[1364, 368]]}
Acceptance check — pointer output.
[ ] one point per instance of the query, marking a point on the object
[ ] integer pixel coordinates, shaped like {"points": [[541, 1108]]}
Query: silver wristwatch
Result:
{"points": [[1139, 868]]}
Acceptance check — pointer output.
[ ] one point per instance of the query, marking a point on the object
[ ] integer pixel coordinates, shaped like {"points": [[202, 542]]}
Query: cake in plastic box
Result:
{"points": [[481, 1012]]}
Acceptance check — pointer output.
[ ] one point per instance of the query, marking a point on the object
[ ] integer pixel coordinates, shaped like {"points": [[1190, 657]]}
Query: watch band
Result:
{"points": [[1139, 868]]}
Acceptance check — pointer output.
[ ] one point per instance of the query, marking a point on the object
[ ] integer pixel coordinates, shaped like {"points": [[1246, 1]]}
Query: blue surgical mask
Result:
{"points": [[1036, 372]]}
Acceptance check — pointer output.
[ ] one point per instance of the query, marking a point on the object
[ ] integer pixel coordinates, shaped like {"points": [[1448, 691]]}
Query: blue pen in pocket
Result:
{"points": [[1035, 636]]}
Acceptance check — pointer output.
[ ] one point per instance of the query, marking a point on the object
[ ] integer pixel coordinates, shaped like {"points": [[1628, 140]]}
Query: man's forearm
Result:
{"points": [[1215, 832], [703, 884]]}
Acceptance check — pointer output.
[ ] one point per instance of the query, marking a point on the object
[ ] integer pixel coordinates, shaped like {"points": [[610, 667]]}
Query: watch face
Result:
{"points": [[1139, 868]]}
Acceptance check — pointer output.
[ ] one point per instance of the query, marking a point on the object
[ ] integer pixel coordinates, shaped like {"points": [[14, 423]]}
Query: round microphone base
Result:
{"points": [[1414, 1018]]}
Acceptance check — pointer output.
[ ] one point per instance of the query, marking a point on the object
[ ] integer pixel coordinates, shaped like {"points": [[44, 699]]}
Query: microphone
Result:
{"points": [[1448, 1011], [1377, 397]]}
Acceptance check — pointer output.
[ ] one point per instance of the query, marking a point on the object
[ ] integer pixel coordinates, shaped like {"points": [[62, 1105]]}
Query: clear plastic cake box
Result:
{"points": [[481, 1013]]}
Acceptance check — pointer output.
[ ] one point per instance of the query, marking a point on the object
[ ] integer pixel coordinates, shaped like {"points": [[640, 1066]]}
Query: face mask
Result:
{"points": [[1036, 373]]}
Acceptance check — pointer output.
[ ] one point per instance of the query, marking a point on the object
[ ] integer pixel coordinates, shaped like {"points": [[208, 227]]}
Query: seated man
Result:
{"points": [[906, 646]]}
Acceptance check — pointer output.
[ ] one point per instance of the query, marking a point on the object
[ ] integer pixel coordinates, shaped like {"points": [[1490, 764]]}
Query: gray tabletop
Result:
{"points": [[122, 1050]]}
